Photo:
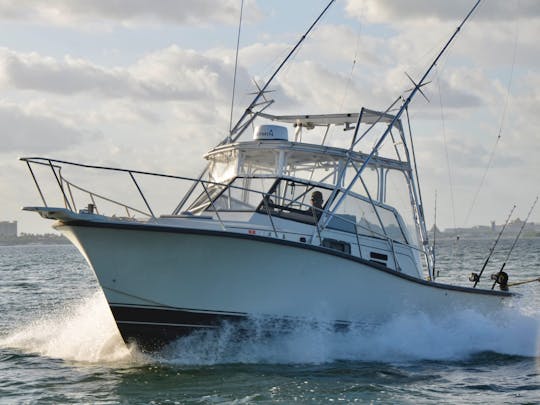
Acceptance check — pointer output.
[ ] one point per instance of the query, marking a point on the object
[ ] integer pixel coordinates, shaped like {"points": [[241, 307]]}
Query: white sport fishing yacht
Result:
{"points": [[275, 226]]}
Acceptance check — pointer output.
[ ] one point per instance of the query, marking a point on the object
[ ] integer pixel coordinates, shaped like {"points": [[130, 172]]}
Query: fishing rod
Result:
{"points": [[501, 277], [476, 277], [523, 282], [434, 235]]}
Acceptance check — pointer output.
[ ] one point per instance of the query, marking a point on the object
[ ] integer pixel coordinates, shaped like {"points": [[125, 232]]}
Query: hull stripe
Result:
{"points": [[166, 324], [169, 316]]}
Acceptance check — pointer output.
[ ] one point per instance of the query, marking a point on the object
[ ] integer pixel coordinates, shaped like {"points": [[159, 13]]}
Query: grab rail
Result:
{"points": [[70, 203]]}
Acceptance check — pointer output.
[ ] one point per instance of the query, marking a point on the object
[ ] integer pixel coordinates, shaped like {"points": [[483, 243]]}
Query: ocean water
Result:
{"points": [[59, 344]]}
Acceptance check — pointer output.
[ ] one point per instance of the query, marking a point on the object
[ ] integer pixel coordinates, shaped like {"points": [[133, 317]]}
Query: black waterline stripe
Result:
{"points": [[169, 307], [168, 316], [180, 325]]}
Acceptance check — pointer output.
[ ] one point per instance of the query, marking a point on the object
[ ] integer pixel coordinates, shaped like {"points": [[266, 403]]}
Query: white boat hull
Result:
{"points": [[163, 282]]}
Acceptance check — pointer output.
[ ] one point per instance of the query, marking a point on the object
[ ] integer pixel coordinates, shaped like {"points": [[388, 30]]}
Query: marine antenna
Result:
{"points": [[434, 236], [236, 64]]}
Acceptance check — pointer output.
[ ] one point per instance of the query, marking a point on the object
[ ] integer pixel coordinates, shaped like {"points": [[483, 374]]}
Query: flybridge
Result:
{"points": [[271, 154], [301, 152]]}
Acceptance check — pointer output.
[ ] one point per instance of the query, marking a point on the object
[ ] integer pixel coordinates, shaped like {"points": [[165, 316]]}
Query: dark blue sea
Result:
{"points": [[59, 344]]}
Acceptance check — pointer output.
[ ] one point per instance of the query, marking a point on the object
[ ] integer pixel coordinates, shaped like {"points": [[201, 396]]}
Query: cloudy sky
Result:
{"points": [[147, 85]]}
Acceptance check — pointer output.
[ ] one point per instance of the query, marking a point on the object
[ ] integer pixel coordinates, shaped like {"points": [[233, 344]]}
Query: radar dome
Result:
{"points": [[270, 133]]}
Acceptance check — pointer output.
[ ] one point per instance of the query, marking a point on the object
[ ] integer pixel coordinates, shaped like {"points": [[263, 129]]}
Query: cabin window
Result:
{"points": [[368, 183], [243, 194], [391, 224], [317, 168], [223, 166], [380, 223], [338, 245], [378, 258], [398, 196], [258, 163], [205, 196]]}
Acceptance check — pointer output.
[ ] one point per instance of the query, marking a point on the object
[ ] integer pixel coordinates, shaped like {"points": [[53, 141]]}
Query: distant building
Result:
{"points": [[493, 226], [8, 229]]}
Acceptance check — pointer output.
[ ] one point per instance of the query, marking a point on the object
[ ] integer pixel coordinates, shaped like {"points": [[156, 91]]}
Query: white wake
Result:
{"points": [[83, 332], [86, 332]]}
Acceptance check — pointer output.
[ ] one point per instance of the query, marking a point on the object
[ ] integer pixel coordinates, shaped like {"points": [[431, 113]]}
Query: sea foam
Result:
{"points": [[85, 331], [413, 337]]}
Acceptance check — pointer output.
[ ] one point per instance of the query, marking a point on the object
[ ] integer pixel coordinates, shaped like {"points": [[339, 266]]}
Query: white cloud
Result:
{"points": [[31, 71], [165, 75], [397, 11], [34, 133], [126, 12]]}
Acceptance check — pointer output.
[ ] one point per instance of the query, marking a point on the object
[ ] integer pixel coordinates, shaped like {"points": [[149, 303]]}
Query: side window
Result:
{"points": [[202, 202], [338, 245], [243, 194]]}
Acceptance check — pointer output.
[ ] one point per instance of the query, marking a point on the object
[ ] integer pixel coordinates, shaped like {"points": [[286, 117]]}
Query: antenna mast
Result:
{"points": [[237, 130], [236, 64]]}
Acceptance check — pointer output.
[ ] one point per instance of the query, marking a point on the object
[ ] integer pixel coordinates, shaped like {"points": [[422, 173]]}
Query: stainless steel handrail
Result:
{"points": [[56, 166]]}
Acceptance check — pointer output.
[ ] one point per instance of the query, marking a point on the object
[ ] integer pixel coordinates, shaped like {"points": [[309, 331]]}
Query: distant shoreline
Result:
{"points": [[467, 234], [34, 239], [54, 239], [482, 237]]}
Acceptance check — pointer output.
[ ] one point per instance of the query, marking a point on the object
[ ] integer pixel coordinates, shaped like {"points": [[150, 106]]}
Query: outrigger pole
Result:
{"points": [[397, 116], [238, 129]]}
